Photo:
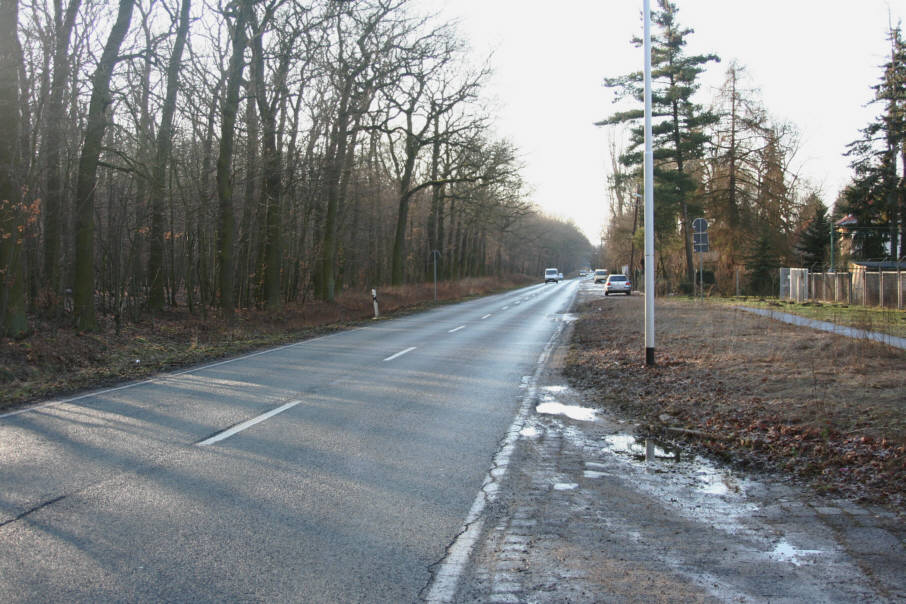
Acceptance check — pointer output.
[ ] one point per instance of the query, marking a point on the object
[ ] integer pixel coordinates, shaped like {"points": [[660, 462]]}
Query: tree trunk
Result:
{"points": [[327, 276], [83, 291], [273, 167], [12, 274], [397, 272], [246, 267], [53, 142], [164, 135], [226, 230]]}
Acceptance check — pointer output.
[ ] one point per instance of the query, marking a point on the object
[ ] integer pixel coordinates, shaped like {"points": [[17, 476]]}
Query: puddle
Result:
{"points": [[700, 475], [787, 552], [565, 486], [647, 449], [715, 482], [555, 389], [530, 432], [568, 317], [582, 414]]}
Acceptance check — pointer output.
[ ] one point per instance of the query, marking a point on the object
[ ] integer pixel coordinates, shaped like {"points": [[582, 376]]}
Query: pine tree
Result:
{"points": [[876, 196], [815, 239], [679, 124], [762, 264]]}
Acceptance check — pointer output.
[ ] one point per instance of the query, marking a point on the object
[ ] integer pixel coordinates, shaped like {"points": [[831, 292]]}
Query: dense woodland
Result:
{"points": [[213, 154], [727, 160]]}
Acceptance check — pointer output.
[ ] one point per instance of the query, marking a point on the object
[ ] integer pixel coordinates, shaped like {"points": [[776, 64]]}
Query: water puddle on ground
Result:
{"points": [[648, 449], [530, 432], [787, 552], [549, 405], [702, 476], [582, 414], [568, 317], [555, 389]]}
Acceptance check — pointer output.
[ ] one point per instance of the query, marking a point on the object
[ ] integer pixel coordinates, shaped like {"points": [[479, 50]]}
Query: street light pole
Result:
{"points": [[649, 197]]}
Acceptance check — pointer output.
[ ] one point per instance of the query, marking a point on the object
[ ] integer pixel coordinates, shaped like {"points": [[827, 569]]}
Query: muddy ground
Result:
{"points": [[591, 509], [824, 408]]}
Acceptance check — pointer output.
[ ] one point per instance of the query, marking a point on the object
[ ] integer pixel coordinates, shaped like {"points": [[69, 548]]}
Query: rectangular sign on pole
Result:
{"points": [[700, 242], [700, 235]]}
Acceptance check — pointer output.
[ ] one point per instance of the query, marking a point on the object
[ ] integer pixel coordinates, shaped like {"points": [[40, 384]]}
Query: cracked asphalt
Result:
{"points": [[586, 513]]}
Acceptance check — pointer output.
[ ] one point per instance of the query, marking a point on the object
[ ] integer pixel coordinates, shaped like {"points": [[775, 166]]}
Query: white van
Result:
{"points": [[551, 274]]}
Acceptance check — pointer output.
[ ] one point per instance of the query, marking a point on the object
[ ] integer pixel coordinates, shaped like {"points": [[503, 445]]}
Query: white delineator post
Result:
{"points": [[649, 197], [374, 300]]}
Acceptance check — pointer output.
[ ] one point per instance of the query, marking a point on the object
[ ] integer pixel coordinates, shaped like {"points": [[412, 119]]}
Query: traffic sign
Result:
{"points": [[700, 235]]}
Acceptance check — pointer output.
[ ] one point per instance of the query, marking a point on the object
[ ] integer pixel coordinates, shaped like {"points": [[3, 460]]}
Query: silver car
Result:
{"points": [[617, 284]]}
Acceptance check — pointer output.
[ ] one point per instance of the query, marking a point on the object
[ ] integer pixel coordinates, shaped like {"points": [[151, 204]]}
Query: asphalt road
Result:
{"points": [[337, 469]]}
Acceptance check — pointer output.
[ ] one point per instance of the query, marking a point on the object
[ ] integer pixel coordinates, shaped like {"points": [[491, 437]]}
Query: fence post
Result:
{"points": [[880, 287], [865, 287], [899, 289]]}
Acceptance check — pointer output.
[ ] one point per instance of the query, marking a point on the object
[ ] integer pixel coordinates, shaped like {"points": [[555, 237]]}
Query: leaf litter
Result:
{"points": [[818, 407]]}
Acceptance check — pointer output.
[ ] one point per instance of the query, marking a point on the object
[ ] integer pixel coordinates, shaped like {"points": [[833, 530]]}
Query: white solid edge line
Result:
{"points": [[247, 424], [456, 329], [486, 316], [400, 353]]}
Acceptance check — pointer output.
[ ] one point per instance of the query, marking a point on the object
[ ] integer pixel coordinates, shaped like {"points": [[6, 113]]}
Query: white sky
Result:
{"points": [[814, 62]]}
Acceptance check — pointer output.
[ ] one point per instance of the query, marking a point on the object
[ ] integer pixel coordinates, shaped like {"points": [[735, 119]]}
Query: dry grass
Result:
{"points": [[761, 392]]}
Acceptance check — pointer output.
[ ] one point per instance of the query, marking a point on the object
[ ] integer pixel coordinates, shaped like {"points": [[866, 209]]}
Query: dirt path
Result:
{"points": [[592, 512]]}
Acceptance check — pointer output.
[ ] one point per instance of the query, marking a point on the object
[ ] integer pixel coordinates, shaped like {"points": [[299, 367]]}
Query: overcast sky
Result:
{"points": [[813, 61]]}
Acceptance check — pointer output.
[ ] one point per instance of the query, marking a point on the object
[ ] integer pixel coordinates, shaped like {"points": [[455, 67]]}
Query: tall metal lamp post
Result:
{"points": [[649, 197]]}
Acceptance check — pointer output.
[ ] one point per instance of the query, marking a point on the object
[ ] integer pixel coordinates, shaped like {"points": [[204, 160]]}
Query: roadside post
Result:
{"points": [[374, 300], [648, 262], [700, 245]]}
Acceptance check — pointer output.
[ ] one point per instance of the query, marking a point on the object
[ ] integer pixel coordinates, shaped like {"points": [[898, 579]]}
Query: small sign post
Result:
{"points": [[374, 299], [700, 245]]}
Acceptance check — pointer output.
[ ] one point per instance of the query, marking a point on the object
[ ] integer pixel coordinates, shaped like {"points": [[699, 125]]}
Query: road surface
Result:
{"points": [[335, 469]]}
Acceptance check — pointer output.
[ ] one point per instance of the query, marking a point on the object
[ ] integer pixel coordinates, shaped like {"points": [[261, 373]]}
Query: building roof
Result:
{"points": [[848, 220]]}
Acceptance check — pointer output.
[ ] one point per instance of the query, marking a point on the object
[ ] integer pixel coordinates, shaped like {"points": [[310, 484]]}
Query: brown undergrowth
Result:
{"points": [[760, 393], [56, 360]]}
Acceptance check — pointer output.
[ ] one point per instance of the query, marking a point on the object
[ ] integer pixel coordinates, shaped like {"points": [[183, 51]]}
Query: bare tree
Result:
{"points": [[12, 275], [83, 292], [226, 224], [161, 158]]}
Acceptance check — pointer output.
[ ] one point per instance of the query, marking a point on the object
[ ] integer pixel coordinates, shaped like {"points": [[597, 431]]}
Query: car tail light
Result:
{"points": [[628, 284]]}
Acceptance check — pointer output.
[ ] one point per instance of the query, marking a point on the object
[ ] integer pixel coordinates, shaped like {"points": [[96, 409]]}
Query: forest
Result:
{"points": [[215, 155], [726, 159]]}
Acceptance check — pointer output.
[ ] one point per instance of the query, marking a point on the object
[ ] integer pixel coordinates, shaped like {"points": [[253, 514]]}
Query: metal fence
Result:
{"points": [[862, 287]]}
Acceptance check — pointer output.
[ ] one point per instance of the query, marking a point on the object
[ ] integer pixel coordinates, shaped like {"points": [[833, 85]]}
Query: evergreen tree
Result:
{"points": [[815, 239], [678, 128], [877, 195], [762, 264]]}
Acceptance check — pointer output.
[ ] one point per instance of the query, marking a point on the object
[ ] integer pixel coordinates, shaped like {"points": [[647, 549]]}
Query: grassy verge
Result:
{"points": [[824, 408], [883, 320], [56, 360]]}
